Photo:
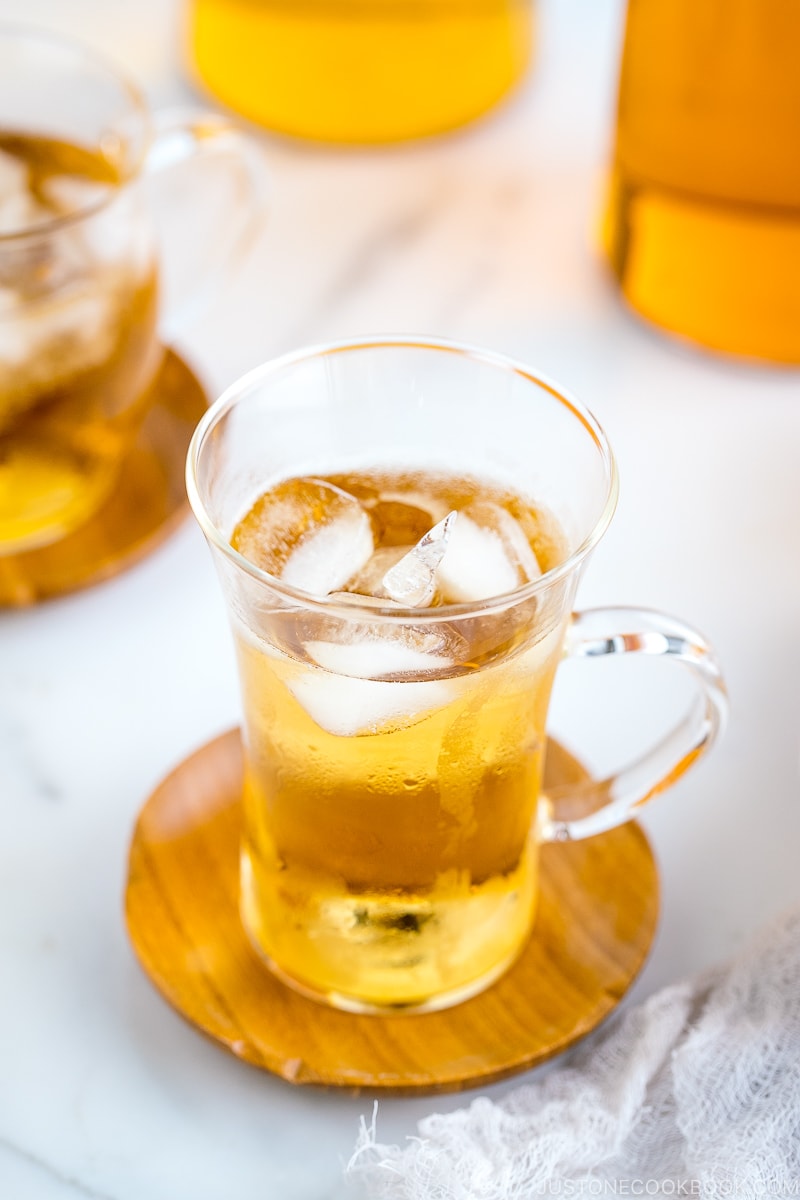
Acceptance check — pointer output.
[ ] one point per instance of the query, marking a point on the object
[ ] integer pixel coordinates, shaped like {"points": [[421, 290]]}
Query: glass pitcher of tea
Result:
{"points": [[360, 70], [702, 218]]}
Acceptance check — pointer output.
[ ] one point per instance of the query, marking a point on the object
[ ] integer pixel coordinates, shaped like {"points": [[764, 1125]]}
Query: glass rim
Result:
{"points": [[14, 30], [394, 613]]}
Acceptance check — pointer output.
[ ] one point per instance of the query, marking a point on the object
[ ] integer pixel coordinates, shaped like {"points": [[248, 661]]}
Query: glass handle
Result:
{"points": [[581, 810], [204, 226]]}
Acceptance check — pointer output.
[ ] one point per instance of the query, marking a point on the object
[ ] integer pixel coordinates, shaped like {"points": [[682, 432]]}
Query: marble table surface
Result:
{"points": [[487, 237]]}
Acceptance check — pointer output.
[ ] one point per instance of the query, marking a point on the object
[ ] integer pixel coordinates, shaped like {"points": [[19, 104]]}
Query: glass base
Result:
{"points": [[355, 1004], [387, 953]]}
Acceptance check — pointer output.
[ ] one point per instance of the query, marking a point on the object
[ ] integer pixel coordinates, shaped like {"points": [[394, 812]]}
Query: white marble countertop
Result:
{"points": [[486, 237]]}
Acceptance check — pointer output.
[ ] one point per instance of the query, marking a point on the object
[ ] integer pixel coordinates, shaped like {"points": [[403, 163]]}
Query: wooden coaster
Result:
{"points": [[597, 915], [147, 504]]}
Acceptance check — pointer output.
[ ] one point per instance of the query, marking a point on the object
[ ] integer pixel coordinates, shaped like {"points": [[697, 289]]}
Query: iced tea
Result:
{"points": [[78, 344], [389, 852]]}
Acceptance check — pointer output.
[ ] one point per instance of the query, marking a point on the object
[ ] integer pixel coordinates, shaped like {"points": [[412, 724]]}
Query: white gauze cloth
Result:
{"points": [[695, 1092]]}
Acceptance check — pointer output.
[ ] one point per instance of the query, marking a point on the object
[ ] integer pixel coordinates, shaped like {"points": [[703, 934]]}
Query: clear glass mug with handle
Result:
{"points": [[392, 809], [82, 328]]}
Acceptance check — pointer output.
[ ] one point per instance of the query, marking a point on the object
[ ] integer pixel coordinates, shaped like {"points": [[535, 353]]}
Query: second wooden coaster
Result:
{"points": [[147, 503]]}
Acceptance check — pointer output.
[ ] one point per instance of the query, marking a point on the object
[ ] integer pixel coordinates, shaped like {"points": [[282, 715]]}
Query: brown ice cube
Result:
{"points": [[18, 207], [44, 346], [369, 580], [69, 194], [412, 580], [308, 533], [400, 523]]}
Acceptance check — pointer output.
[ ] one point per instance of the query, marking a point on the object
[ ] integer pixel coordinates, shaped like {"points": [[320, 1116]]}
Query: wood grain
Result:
{"points": [[597, 915], [147, 504], [596, 918]]}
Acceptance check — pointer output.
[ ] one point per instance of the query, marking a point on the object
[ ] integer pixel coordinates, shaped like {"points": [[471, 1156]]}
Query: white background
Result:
{"points": [[485, 236]]}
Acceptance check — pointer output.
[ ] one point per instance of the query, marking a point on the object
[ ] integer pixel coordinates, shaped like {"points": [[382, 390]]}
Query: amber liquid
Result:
{"points": [[78, 345], [360, 70], [702, 223], [389, 851]]}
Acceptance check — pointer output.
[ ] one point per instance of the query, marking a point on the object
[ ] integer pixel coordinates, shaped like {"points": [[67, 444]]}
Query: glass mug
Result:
{"points": [[392, 810], [360, 70], [702, 219], [81, 336]]}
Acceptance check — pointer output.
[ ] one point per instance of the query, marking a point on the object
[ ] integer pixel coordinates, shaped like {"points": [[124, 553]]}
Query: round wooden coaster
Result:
{"points": [[146, 505], [597, 915]]}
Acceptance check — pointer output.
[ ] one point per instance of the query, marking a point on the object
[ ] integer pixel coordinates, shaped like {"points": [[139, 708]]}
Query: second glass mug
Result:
{"points": [[392, 810], [82, 330]]}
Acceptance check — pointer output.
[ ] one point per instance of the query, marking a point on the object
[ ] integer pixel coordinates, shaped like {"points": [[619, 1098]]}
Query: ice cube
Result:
{"points": [[17, 212], [14, 175], [361, 598], [379, 657], [114, 236], [18, 209], [308, 533], [368, 582], [412, 580], [348, 707], [488, 555], [374, 679], [34, 267], [43, 346], [401, 520], [500, 521], [68, 194]]}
